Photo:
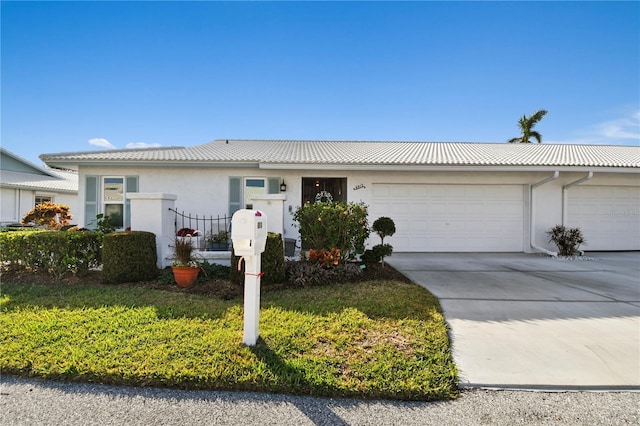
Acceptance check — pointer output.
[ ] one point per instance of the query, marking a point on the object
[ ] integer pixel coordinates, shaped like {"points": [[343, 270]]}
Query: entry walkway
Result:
{"points": [[526, 321]]}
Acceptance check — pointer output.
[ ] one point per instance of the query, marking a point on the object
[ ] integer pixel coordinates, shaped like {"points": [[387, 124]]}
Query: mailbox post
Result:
{"points": [[249, 236]]}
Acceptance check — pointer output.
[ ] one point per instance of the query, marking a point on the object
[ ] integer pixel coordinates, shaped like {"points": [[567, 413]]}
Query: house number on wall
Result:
{"points": [[361, 186]]}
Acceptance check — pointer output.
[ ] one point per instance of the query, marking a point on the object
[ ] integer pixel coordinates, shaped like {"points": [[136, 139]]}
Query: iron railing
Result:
{"points": [[214, 232]]}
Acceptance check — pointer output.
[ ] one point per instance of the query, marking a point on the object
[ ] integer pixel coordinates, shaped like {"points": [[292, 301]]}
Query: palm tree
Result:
{"points": [[526, 125]]}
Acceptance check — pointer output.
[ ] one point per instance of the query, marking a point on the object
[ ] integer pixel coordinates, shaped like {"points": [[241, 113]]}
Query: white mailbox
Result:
{"points": [[249, 236], [248, 232]]}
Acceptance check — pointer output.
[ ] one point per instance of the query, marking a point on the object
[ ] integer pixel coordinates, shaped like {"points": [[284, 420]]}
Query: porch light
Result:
{"points": [[283, 186]]}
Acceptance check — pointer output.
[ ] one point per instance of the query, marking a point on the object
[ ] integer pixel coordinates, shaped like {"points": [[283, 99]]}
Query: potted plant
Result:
{"points": [[185, 268], [219, 241], [194, 235]]}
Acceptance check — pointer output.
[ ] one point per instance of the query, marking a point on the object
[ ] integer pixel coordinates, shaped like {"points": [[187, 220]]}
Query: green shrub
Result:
{"points": [[566, 239], [377, 254], [57, 253], [333, 225], [208, 272], [104, 224], [212, 271], [308, 274], [271, 263], [129, 257], [384, 227], [19, 228], [273, 260]]}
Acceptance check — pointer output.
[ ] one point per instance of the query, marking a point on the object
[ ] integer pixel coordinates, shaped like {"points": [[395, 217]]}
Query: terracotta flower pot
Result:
{"points": [[185, 276]]}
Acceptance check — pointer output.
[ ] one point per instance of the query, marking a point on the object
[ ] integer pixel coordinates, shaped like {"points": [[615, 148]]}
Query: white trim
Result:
{"points": [[151, 196], [533, 216], [443, 168]]}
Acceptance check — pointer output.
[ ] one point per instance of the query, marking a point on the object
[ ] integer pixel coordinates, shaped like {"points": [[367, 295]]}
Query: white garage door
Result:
{"points": [[456, 218], [609, 216]]}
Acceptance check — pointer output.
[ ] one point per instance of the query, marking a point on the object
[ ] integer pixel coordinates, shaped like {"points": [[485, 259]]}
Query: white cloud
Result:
{"points": [[102, 143], [134, 145], [622, 128], [619, 131]]}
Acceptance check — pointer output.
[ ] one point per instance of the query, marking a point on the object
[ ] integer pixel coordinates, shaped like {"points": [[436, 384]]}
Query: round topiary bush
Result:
{"points": [[384, 227]]}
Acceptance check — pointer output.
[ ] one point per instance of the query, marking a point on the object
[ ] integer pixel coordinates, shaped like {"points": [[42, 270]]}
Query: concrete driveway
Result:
{"points": [[526, 321]]}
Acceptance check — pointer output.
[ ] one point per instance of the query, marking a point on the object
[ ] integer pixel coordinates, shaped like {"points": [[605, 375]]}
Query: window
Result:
{"points": [[108, 195], [43, 199], [252, 187], [242, 190], [325, 189], [113, 199]]}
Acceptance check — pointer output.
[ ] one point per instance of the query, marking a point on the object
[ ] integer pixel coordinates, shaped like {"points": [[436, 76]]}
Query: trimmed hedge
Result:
{"points": [[55, 252], [271, 263], [129, 257]]}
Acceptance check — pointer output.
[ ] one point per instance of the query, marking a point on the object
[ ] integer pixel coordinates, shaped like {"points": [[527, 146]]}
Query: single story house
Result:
{"points": [[443, 197], [23, 185]]}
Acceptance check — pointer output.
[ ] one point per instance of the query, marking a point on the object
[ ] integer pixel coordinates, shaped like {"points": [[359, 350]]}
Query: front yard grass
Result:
{"points": [[376, 339]]}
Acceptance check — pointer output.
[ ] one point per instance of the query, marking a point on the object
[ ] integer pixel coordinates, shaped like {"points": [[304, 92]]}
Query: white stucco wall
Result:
{"points": [[16, 203], [205, 191], [8, 206]]}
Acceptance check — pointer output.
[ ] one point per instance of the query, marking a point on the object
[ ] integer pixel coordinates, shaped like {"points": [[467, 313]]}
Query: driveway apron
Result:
{"points": [[526, 321]]}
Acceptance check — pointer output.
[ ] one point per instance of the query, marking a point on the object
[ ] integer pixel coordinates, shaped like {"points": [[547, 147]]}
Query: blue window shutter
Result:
{"points": [[131, 185], [273, 185], [235, 194], [91, 193]]}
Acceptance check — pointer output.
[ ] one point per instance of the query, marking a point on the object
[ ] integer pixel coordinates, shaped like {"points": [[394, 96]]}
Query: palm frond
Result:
{"points": [[537, 136], [537, 116]]}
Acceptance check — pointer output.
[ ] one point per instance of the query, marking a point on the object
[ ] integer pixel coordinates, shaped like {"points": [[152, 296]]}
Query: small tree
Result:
{"points": [[566, 239], [526, 125], [384, 227], [49, 215]]}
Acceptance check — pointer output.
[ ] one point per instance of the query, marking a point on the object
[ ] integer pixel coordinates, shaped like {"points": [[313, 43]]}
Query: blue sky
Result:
{"points": [[80, 76]]}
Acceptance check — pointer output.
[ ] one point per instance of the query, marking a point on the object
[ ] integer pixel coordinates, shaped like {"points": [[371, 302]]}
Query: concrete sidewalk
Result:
{"points": [[526, 321]]}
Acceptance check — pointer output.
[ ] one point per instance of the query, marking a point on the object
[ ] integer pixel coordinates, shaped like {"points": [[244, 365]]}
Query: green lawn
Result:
{"points": [[372, 339]]}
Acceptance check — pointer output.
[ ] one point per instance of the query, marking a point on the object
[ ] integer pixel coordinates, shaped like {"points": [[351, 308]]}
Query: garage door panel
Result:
{"points": [[435, 191], [437, 210], [495, 227], [608, 216], [419, 226], [452, 217], [511, 226]]}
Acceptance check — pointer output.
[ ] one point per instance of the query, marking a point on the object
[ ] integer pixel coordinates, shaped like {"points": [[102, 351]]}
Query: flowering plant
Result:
{"points": [[49, 215], [188, 232], [337, 225], [325, 258]]}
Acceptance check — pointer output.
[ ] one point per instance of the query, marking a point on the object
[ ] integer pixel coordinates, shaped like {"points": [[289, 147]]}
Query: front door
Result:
{"points": [[323, 189]]}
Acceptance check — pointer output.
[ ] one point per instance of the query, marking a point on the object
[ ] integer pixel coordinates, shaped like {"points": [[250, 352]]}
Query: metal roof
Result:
{"points": [[61, 181], [364, 153]]}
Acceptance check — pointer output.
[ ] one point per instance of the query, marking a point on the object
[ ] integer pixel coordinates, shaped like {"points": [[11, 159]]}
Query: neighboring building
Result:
{"points": [[23, 185], [455, 197]]}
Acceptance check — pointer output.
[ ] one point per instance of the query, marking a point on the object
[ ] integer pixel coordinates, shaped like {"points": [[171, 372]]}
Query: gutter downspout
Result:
{"points": [[564, 194], [533, 217]]}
